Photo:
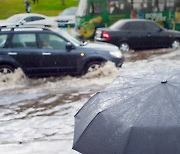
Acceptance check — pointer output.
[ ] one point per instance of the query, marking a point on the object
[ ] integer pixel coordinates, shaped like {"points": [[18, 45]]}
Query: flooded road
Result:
{"points": [[37, 115]]}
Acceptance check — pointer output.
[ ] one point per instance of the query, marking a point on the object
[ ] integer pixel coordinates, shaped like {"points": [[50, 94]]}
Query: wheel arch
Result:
{"points": [[98, 59], [8, 64], [89, 61]]}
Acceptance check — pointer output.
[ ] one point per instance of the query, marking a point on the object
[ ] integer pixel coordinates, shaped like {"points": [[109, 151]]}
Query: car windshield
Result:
{"points": [[70, 38], [70, 11], [14, 19]]}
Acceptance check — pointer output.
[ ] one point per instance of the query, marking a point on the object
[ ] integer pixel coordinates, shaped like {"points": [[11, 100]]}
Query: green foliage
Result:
{"points": [[46, 7]]}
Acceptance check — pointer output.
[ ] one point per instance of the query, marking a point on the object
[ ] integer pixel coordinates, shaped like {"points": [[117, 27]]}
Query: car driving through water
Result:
{"points": [[49, 52], [138, 34]]}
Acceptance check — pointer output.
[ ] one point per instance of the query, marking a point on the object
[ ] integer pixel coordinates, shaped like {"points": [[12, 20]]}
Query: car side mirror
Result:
{"points": [[69, 46]]}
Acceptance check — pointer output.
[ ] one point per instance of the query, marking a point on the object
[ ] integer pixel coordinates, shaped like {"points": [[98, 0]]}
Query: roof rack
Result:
{"points": [[4, 28], [24, 27]]}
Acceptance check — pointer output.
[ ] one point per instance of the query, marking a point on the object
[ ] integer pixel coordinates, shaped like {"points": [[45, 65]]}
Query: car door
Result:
{"points": [[136, 34], [25, 52], [156, 36], [55, 58]]}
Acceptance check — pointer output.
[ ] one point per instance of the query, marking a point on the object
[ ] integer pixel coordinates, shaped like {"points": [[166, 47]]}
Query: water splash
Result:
{"points": [[101, 77], [15, 80]]}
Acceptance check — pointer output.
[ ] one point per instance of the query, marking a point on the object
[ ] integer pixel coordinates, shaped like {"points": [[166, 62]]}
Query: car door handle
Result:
{"points": [[148, 35], [12, 53], [46, 54]]}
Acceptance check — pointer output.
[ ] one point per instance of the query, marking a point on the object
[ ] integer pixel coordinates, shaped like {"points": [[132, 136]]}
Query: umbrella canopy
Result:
{"points": [[135, 115]]}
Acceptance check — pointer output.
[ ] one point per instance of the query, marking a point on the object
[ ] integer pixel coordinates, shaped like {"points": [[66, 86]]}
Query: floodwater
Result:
{"points": [[37, 115]]}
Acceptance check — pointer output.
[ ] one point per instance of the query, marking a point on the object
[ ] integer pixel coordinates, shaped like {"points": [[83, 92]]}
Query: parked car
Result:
{"points": [[67, 17], [138, 34], [29, 19], [47, 52]]}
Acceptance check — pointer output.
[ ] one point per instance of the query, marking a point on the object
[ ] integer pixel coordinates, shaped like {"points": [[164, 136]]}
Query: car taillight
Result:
{"points": [[106, 36]]}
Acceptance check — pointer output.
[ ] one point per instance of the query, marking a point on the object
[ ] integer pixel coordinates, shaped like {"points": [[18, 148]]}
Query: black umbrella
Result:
{"points": [[135, 115]]}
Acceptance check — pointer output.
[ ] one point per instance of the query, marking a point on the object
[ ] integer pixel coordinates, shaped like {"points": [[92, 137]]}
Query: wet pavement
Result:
{"points": [[37, 115]]}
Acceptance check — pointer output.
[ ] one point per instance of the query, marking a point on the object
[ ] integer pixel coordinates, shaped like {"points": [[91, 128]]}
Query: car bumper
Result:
{"points": [[66, 25], [118, 61]]}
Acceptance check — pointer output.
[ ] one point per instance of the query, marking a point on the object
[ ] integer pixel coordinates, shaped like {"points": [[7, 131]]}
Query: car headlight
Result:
{"points": [[117, 54]]}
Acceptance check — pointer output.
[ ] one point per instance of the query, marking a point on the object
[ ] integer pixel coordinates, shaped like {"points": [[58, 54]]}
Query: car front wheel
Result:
{"points": [[5, 69], [124, 47], [92, 66], [175, 44]]}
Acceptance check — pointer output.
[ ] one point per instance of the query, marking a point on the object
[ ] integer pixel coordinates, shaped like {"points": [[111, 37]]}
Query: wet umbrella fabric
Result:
{"points": [[135, 115]]}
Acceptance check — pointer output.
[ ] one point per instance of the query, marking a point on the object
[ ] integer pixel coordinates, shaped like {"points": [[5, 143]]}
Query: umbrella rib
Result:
{"points": [[86, 128], [175, 107], [172, 75], [124, 89], [142, 110], [176, 111], [132, 77], [120, 88], [175, 83], [149, 88], [107, 99], [85, 104]]}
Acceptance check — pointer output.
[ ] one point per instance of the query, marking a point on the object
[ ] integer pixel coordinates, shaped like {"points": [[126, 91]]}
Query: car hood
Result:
{"points": [[4, 23], [101, 47], [174, 32]]}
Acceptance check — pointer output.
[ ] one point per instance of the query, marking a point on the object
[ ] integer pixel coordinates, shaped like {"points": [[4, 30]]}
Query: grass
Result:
{"points": [[46, 7]]}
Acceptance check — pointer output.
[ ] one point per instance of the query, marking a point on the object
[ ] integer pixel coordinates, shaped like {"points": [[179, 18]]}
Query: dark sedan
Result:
{"points": [[138, 34], [46, 52]]}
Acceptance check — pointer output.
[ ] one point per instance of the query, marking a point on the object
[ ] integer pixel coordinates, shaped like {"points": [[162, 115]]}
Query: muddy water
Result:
{"points": [[36, 115]]}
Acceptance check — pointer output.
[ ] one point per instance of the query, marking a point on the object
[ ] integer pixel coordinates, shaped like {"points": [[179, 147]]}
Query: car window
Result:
{"points": [[134, 26], [116, 7], [3, 39], [96, 8], [51, 41], [24, 41], [152, 26], [70, 11], [28, 19], [68, 37], [34, 18]]}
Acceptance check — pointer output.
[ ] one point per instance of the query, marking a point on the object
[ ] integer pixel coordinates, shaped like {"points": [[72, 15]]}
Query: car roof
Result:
{"points": [[122, 22], [28, 14], [130, 20]]}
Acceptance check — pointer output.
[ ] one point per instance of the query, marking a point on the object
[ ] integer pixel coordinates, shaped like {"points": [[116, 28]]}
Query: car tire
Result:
{"points": [[92, 66], [124, 47], [6, 69], [175, 44]]}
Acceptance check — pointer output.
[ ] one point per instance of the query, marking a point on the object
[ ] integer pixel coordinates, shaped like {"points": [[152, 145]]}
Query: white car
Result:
{"points": [[29, 19], [67, 17]]}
